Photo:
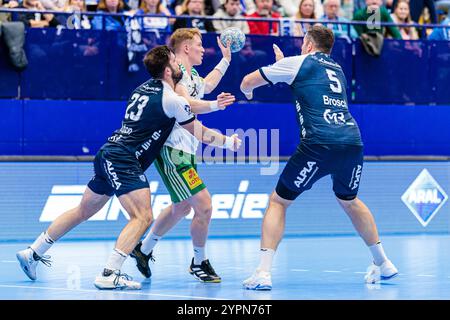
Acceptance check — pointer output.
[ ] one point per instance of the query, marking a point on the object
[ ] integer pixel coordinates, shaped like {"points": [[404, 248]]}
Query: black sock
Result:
{"points": [[107, 272]]}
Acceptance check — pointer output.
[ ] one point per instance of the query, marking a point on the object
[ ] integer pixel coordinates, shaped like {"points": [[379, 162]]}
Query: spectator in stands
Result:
{"points": [[36, 20], [75, 21], [401, 15], [9, 4], [231, 9], [211, 6], [417, 8], [4, 17], [111, 22], [331, 9], [194, 8], [291, 7], [54, 5], [368, 15], [305, 11], [442, 33], [154, 7], [264, 9]]}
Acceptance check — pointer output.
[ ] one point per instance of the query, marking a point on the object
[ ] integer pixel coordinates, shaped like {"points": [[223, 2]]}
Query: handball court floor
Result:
{"points": [[304, 268]]}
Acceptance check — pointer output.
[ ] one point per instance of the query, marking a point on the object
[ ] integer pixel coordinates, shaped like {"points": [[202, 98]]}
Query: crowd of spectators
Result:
{"points": [[301, 14]]}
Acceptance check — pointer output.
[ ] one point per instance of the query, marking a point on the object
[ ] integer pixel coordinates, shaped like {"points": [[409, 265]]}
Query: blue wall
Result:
{"points": [[92, 64], [33, 194], [58, 127]]}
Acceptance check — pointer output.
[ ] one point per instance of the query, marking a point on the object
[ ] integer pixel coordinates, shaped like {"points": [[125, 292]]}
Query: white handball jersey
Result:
{"points": [[180, 138]]}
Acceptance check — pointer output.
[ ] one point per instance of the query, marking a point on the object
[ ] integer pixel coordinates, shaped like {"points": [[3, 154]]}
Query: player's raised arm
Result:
{"points": [[284, 70], [212, 137], [205, 106], [214, 77], [250, 82]]}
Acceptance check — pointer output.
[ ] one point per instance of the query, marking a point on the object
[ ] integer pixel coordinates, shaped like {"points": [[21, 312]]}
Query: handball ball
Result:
{"points": [[236, 36]]}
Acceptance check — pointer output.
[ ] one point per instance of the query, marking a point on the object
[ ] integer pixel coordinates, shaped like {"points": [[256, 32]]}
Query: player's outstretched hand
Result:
{"points": [[237, 142], [278, 53], [224, 100], [226, 51]]}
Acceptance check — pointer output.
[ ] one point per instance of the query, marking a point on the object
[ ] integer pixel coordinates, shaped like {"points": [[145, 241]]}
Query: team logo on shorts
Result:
{"points": [[192, 178], [142, 177], [424, 197]]}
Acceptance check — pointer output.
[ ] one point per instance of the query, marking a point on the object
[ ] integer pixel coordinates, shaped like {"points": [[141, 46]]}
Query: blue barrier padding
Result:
{"points": [[59, 127]]}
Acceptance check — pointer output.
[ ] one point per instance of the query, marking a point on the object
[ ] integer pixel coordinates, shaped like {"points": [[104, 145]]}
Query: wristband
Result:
{"points": [[222, 66], [214, 105], [229, 143]]}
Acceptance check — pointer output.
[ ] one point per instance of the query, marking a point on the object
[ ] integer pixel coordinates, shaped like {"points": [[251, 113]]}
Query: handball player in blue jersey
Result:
{"points": [[153, 110], [330, 145]]}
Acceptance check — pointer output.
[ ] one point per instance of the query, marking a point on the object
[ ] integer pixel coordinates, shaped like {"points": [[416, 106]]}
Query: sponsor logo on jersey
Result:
{"points": [[225, 205], [192, 178], [424, 197], [334, 117], [149, 89], [328, 101]]}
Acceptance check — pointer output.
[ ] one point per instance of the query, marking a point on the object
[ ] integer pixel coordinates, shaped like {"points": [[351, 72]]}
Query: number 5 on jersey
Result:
{"points": [[336, 86], [142, 102]]}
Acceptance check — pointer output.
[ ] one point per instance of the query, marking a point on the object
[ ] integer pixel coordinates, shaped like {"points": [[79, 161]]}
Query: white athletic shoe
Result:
{"points": [[377, 273], [260, 280], [116, 280], [29, 260]]}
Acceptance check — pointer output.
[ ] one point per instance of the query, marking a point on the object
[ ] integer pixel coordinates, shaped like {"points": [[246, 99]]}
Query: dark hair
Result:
{"points": [[156, 61], [322, 37]]}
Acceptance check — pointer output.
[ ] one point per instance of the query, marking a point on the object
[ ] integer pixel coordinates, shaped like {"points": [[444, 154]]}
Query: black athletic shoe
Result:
{"points": [[204, 272], [142, 260]]}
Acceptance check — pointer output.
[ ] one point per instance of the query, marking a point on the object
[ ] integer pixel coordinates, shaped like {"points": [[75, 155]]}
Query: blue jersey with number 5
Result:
{"points": [[319, 88]]}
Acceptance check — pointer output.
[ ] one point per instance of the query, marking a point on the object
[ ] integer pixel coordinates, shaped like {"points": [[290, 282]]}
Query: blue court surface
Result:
{"points": [[304, 268]]}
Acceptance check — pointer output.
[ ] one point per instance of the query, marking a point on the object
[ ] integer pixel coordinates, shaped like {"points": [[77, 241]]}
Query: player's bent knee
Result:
{"points": [[181, 209], [276, 199], [145, 217]]}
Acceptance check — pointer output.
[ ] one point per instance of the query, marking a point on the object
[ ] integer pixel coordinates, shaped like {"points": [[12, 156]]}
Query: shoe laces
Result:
{"points": [[44, 259], [123, 276], [209, 268]]}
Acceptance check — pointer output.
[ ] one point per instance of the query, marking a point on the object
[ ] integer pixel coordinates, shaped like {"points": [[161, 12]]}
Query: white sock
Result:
{"points": [[199, 255], [378, 253], [265, 263], [116, 260], [42, 244], [149, 242]]}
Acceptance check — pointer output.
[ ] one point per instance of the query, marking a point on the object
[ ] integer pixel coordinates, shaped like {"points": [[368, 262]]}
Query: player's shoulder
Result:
{"points": [[171, 97], [324, 60], [150, 87]]}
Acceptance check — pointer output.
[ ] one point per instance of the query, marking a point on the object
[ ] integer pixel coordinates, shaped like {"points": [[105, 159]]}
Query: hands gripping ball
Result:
{"points": [[235, 36]]}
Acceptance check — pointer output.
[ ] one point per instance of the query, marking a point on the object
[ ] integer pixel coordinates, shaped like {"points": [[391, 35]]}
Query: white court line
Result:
{"points": [[118, 292], [361, 272], [331, 271], [9, 261], [235, 268], [426, 275], [299, 270]]}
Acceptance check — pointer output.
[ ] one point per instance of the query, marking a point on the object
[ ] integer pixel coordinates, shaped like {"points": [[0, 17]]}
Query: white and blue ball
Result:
{"points": [[235, 36]]}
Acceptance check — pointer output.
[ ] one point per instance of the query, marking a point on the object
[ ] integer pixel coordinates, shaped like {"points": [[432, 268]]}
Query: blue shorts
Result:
{"points": [[117, 171], [309, 163]]}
